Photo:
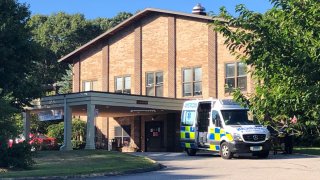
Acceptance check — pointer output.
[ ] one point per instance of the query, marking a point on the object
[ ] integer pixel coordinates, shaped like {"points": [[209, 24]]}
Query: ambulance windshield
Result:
{"points": [[236, 117]]}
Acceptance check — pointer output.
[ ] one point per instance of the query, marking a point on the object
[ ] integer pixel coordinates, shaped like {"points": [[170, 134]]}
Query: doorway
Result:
{"points": [[154, 136], [203, 123]]}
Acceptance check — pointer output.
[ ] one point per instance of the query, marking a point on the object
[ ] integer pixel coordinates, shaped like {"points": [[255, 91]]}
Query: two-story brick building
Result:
{"points": [[130, 82]]}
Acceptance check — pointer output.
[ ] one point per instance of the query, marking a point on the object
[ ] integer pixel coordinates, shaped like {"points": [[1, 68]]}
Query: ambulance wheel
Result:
{"points": [[225, 151], [191, 152], [263, 154]]}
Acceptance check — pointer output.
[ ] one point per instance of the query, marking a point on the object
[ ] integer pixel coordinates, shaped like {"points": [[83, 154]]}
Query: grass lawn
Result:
{"points": [[307, 150], [68, 163]]}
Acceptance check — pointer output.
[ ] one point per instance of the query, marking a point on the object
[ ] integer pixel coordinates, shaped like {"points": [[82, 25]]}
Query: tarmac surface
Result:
{"points": [[212, 166]]}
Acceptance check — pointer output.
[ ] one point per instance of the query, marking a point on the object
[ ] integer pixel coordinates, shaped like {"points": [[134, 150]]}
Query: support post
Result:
{"points": [[26, 124], [67, 128], [90, 138]]}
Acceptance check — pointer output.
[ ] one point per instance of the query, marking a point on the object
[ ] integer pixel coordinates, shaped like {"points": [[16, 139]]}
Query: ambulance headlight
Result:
{"points": [[237, 137]]}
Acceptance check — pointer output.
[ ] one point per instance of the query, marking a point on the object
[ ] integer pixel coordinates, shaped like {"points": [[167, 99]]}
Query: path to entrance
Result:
{"points": [[210, 166]]}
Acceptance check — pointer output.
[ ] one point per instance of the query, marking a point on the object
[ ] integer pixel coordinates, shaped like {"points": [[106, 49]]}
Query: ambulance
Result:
{"points": [[221, 125]]}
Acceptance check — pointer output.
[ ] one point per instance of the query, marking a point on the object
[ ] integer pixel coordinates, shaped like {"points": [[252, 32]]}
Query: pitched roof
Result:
{"points": [[110, 32]]}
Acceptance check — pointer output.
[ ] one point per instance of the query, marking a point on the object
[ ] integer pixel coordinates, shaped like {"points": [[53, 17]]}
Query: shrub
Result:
{"points": [[78, 144], [308, 140], [56, 131], [78, 133], [78, 129], [17, 156]]}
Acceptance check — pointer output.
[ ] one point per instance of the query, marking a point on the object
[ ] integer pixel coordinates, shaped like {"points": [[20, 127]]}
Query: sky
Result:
{"points": [[109, 8]]}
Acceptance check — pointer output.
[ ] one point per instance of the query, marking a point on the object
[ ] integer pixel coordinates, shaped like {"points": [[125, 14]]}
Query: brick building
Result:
{"points": [[130, 82]]}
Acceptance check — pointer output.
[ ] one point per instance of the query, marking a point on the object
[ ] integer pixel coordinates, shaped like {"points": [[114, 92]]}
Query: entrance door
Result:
{"points": [[154, 136]]}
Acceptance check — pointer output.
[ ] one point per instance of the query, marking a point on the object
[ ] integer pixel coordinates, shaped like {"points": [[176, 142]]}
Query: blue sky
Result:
{"points": [[109, 8]]}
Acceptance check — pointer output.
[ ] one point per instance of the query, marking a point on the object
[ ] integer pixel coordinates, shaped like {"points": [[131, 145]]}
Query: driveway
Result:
{"points": [[211, 166]]}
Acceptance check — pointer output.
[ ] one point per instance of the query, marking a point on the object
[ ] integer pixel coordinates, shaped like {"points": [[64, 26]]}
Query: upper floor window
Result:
{"points": [[154, 83], [89, 85], [123, 84], [236, 77], [192, 81]]}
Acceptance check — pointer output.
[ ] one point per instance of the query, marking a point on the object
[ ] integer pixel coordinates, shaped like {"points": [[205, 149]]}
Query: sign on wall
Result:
{"points": [[49, 115]]}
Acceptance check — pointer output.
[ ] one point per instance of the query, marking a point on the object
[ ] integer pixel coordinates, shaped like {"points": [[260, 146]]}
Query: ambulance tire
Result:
{"points": [[191, 152], [225, 151]]}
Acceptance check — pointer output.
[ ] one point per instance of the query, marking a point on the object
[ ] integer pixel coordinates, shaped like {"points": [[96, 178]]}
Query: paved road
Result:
{"points": [[210, 166]]}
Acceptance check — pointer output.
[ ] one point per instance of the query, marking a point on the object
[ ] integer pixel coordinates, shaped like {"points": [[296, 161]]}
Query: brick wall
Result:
{"points": [[155, 49], [157, 43], [192, 50], [91, 66], [224, 57], [121, 56]]}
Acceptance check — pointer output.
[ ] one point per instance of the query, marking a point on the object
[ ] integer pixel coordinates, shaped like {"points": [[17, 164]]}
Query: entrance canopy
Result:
{"points": [[92, 104], [131, 104]]}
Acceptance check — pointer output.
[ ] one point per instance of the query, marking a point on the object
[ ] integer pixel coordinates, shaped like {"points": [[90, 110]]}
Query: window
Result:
{"points": [[122, 135], [236, 77], [216, 118], [235, 117], [192, 81], [188, 117], [154, 83], [123, 84], [89, 85]]}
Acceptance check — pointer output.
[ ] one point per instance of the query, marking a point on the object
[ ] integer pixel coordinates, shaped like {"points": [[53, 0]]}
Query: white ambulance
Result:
{"points": [[221, 125]]}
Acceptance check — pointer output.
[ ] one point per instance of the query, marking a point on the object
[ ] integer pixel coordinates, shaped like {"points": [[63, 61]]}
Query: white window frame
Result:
{"points": [[123, 90], [155, 83], [192, 83], [235, 77]]}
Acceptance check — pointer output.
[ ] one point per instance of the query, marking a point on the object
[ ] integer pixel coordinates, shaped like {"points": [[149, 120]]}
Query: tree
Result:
{"points": [[58, 35], [17, 54], [104, 24], [65, 85], [18, 82], [283, 47], [7, 119]]}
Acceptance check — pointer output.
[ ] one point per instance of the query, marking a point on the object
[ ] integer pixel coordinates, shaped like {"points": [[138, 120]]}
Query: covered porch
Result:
{"points": [[93, 104]]}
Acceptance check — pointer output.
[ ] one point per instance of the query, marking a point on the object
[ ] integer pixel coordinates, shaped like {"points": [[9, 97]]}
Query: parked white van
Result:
{"points": [[221, 125]]}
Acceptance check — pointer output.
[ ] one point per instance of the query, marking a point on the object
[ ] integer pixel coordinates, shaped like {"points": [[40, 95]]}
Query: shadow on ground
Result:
{"points": [[169, 156]]}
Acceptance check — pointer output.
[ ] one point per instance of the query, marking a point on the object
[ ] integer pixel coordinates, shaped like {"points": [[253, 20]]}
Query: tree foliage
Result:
{"points": [[283, 47], [29, 49], [61, 33], [65, 84], [18, 80], [17, 54], [104, 24], [58, 35], [37, 126], [7, 119]]}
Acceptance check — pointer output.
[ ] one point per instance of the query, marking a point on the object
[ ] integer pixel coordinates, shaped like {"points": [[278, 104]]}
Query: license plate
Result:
{"points": [[256, 148]]}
